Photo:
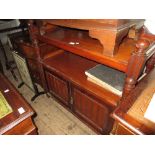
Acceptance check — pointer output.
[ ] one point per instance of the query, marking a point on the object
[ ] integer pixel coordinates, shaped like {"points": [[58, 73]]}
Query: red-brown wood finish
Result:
{"points": [[109, 32], [92, 111], [15, 123], [137, 63], [150, 64], [119, 50], [58, 87], [118, 128], [88, 47], [26, 127], [34, 71], [68, 86], [72, 68], [30, 54], [128, 122], [135, 66]]}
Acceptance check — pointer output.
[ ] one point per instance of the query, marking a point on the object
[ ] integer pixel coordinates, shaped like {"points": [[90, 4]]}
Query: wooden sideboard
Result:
{"points": [[70, 49], [129, 115], [16, 123]]}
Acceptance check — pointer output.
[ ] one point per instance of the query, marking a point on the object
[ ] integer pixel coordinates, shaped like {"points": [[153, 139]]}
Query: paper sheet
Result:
{"points": [[150, 111]]}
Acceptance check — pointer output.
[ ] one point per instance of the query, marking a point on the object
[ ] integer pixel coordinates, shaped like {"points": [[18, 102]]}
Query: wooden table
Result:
{"points": [[18, 122], [129, 115]]}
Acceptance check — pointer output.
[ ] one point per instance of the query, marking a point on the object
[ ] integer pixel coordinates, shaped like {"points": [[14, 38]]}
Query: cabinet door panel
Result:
{"points": [[58, 87], [95, 113]]}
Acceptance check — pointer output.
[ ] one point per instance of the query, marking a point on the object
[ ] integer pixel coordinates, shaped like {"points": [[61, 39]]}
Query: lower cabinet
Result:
{"points": [[92, 111], [81, 103], [58, 87]]}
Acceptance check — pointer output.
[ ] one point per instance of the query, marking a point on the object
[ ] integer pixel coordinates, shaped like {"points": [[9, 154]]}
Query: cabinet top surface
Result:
{"points": [[89, 24], [73, 67], [17, 102]]}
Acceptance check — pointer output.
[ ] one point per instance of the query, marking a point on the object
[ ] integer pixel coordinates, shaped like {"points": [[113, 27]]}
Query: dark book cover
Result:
{"points": [[107, 77]]}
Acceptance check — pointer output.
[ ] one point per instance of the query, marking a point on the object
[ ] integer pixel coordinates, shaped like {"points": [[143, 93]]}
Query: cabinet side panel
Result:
{"points": [[119, 129]]}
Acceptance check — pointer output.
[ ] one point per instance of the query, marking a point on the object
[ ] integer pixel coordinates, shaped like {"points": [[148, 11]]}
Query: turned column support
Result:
{"points": [[135, 66], [33, 31]]}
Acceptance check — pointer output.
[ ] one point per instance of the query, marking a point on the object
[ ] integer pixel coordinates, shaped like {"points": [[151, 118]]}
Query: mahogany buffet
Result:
{"points": [[60, 51]]}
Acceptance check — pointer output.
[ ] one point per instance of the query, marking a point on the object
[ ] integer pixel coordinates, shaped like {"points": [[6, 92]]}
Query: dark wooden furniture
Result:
{"points": [[22, 44], [63, 72], [129, 115], [28, 51], [1, 68], [16, 123], [66, 81]]}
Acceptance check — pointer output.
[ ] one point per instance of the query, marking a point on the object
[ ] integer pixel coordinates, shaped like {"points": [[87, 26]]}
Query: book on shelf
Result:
{"points": [[106, 77]]}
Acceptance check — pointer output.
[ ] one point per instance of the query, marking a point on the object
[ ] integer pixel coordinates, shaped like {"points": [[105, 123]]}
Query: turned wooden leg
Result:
{"points": [[129, 85], [135, 66]]}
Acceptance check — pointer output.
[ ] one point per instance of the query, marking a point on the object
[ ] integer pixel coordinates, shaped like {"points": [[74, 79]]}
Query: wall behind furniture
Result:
{"points": [[150, 24], [7, 24]]}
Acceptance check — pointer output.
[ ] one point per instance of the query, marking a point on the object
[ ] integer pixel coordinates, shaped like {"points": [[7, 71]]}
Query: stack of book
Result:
{"points": [[109, 78]]}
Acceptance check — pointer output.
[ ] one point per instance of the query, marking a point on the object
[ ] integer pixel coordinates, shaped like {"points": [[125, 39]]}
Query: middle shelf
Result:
{"points": [[79, 42]]}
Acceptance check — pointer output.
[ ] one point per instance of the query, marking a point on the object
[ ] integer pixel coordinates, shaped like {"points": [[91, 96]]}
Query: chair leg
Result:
{"points": [[1, 68], [13, 74]]}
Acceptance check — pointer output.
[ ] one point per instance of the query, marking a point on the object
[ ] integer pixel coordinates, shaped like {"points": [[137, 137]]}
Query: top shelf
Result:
{"points": [[79, 42], [109, 32], [100, 24]]}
